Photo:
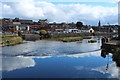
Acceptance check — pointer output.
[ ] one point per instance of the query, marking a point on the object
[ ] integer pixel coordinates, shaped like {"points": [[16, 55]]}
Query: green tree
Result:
{"points": [[19, 33], [79, 25], [43, 32]]}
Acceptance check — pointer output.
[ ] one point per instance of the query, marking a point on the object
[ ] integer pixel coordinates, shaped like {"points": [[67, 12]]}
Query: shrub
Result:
{"points": [[43, 32], [70, 39], [92, 41], [19, 33], [9, 41]]}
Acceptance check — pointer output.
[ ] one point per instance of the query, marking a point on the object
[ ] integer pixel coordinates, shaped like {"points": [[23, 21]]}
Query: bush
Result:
{"points": [[115, 38], [71, 39], [87, 37], [43, 32], [92, 41], [116, 56], [19, 33], [9, 41]]}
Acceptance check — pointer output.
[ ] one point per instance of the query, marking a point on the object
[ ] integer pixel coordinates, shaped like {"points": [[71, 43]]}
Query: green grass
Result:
{"points": [[31, 37], [10, 41], [86, 37], [62, 35], [70, 39], [92, 41]]}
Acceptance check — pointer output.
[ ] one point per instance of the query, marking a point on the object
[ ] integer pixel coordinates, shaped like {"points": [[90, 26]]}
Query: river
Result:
{"points": [[54, 59]]}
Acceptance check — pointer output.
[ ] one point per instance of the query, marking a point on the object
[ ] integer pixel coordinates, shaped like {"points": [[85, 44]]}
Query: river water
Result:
{"points": [[54, 59]]}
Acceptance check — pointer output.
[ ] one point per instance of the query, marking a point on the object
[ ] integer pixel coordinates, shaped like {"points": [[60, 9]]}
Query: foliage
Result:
{"points": [[79, 25], [9, 41], [116, 56], [43, 32], [87, 37], [19, 33], [92, 41], [31, 37], [61, 35], [70, 39], [115, 38]]}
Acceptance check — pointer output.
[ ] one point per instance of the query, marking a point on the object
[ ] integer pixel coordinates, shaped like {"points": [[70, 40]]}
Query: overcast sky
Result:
{"points": [[89, 12]]}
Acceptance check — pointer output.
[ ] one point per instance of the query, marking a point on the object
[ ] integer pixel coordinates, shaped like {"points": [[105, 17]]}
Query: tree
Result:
{"points": [[43, 32], [19, 33], [79, 25]]}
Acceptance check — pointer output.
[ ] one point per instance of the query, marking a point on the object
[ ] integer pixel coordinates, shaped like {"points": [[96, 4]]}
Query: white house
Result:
{"points": [[91, 30], [16, 23], [71, 30], [59, 30], [22, 27]]}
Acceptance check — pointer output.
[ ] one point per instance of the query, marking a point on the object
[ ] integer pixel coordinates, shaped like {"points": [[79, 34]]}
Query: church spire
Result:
{"points": [[99, 25]]}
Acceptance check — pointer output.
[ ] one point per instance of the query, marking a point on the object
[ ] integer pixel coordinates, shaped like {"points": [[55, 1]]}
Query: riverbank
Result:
{"points": [[61, 35], [10, 40], [70, 39]]}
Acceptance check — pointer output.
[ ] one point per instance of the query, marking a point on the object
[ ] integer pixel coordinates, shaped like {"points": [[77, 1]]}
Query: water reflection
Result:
{"points": [[113, 70], [115, 55], [50, 59], [13, 63], [86, 65], [104, 53]]}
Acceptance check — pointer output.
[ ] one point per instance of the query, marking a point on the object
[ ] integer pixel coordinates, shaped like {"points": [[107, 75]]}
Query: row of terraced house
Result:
{"points": [[23, 25]]}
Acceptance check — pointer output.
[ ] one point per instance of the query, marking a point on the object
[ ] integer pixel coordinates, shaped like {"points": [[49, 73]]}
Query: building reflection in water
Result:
{"points": [[115, 58]]}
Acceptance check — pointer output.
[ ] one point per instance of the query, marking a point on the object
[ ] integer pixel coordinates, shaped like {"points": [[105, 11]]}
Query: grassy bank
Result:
{"points": [[65, 39], [31, 37], [92, 41], [10, 41], [71, 39], [61, 35]]}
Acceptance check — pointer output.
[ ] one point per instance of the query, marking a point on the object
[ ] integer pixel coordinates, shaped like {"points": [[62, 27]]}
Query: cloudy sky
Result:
{"points": [[87, 11], [13, 63]]}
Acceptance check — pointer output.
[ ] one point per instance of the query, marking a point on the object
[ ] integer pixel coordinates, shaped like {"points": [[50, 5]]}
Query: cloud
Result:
{"points": [[96, 53], [60, 12], [12, 63], [112, 70], [111, 1], [79, 67]]}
